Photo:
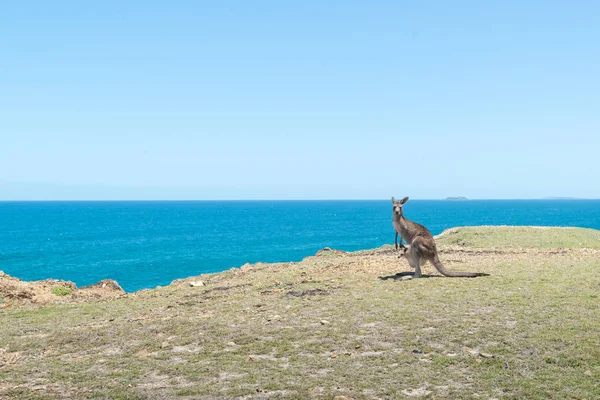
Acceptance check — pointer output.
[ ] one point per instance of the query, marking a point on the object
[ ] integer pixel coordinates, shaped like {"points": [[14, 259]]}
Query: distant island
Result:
{"points": [[456, 198]]}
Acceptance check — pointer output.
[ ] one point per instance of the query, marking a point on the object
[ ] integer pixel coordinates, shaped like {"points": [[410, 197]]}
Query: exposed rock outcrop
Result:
{"points": [[14, 291]]}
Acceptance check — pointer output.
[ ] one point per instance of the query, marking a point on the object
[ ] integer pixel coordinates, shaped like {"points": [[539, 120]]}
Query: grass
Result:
{"points": [[522, 237], [61, 291], [339, 324]]}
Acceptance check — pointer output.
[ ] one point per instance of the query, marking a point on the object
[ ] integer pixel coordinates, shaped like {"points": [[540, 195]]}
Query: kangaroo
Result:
{"points": [[421, 246]]}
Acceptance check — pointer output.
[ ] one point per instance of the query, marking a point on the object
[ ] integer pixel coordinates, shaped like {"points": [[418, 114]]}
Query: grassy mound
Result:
{"points": [[335, 324], [521, 237]]}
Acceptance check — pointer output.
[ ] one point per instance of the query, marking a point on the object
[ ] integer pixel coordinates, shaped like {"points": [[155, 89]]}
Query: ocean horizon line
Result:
{"points": [[283, 200]]}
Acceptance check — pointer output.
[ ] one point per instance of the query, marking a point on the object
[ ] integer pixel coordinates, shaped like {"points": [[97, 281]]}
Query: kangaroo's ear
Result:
{"points": [[393, 200], [404, 200]]}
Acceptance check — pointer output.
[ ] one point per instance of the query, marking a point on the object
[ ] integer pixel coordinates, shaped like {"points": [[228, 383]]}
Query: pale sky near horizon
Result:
{"points": [[299, 100]]}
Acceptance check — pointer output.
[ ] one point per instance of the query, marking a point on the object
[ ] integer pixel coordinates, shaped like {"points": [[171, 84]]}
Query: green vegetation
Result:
{"points": [[329, 326], [61, 291]]}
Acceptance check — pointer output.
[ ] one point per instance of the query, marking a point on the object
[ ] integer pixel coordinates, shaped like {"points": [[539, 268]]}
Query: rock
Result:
{"points": [[307, 292], [471, 351], [58, 283], [422, 391], [106, 284], [245, 268], [324, 322], [326, 251]]}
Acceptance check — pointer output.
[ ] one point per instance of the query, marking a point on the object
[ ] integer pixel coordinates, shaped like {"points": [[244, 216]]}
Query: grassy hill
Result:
{"points": [[539, 237], [336, 324]]}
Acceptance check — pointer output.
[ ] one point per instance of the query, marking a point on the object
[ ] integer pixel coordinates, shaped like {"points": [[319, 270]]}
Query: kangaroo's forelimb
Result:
{"points": [[396, 242]]}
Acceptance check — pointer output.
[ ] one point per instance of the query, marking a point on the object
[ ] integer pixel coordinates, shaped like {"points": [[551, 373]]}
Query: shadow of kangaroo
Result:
{"points": [[421, 246]]}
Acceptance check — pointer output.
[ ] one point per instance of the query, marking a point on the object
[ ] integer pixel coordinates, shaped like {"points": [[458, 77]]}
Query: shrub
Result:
{"points": [[61, 291]]}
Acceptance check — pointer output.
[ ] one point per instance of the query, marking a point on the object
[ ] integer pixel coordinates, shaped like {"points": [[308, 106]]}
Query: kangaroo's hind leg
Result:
{"points": [[413, 259]]}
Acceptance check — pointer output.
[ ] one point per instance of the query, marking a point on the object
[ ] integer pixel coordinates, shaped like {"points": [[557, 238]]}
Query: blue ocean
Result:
{"points": [[146, 244]]}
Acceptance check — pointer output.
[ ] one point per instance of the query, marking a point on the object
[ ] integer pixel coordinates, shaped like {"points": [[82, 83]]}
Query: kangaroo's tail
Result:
{"points": [[453, 274]]}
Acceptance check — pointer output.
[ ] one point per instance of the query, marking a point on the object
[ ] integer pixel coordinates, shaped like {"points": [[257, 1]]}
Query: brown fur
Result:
{"points": [[421, 245]]}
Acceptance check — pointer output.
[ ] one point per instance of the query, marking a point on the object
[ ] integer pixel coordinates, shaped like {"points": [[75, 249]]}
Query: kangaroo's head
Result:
{"points": [[397, 206]]}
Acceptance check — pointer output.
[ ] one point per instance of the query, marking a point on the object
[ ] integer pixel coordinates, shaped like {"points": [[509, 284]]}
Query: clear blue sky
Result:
{"points": [[301, 100]]}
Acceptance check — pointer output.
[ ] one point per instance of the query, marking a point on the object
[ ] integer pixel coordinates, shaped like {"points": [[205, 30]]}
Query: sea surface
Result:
{"points": [[147, 244]]}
